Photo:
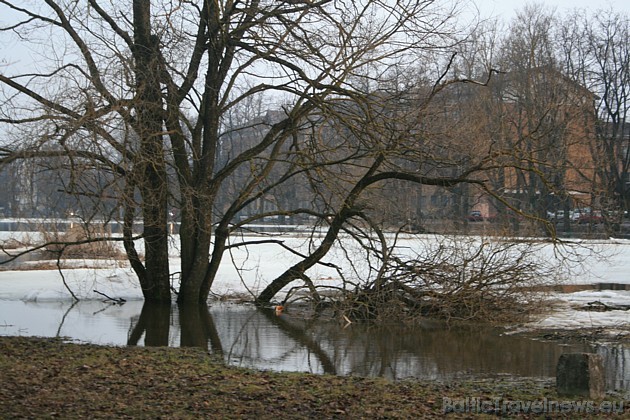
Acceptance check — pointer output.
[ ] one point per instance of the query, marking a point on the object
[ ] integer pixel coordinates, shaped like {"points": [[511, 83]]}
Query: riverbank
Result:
{"points": [[47, 378]]}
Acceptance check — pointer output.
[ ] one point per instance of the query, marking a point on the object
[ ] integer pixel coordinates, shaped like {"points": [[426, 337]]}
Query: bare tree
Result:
{"points": [[545, 117], [596, 54], [141, 93], [156, 107]]}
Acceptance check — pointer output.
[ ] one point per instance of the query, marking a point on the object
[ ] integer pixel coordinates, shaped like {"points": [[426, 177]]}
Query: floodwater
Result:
{"points": [[247, 336]]}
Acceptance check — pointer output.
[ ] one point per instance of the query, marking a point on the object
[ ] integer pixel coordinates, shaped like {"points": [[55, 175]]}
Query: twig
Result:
{"points": [[63, 278]]}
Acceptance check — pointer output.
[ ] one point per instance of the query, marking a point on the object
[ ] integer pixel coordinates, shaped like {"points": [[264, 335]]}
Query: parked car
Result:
{"points": [[475, 216], [557, 216], [593, 218], [577, 213]]}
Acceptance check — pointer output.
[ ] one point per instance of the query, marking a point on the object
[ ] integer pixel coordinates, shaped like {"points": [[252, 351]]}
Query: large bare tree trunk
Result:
{"points": [[151, 164]]}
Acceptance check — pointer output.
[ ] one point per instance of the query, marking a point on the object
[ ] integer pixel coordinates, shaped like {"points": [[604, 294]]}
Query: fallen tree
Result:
{"points": [[452, 278]]}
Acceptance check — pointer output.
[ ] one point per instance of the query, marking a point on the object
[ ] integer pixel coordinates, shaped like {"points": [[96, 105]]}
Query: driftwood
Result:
{"points": [[119, 301]]}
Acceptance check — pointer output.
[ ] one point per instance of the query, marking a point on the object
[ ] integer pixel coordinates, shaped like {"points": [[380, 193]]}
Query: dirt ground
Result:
{"points": [[48, 378]]}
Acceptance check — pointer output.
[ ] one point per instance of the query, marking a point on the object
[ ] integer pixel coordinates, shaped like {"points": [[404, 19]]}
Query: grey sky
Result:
{"points": [[10, 52], [506, 8]]}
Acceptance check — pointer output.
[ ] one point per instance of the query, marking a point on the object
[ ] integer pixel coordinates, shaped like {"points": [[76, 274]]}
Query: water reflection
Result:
{"points": [[251, 337], [616, 365], [154, 323], [196, 327]]}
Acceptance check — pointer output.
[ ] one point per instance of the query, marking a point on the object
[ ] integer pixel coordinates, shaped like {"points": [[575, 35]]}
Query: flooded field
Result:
{"points": [[247, 336]]}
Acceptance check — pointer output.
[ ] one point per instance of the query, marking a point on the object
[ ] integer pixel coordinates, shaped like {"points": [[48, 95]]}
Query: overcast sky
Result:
{"points": [[503, 9], [507, 8]]}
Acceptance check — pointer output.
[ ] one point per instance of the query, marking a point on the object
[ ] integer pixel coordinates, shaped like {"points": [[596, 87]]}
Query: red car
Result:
{"points": [[592, 218]]}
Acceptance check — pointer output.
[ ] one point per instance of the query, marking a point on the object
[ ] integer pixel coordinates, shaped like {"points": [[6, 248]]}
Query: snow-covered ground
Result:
{"points": [[605, 262]]}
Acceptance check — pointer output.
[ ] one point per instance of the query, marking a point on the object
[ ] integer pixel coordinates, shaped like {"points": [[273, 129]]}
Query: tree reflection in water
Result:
{"points": [[301, 335], [154, 322], [196, 327]]}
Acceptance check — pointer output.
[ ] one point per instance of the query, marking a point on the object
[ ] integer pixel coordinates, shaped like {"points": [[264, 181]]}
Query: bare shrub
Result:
{"points": [[455, 279], [81, 241], [11, 244]]}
